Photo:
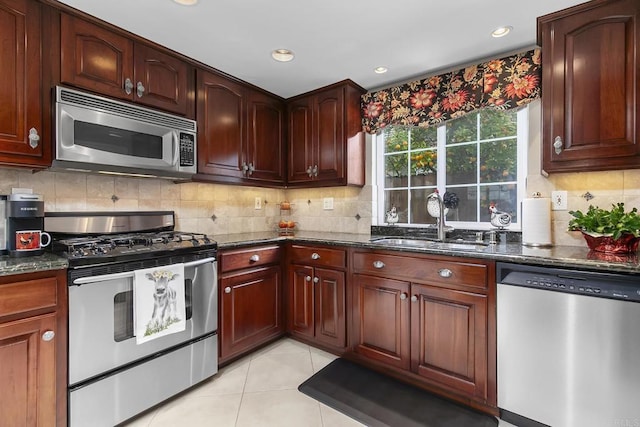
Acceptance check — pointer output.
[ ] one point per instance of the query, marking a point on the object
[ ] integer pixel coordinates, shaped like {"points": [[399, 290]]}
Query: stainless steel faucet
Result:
{"points": [[435, 207]]}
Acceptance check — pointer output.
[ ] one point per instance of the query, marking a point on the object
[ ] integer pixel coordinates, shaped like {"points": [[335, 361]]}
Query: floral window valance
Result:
{"points": [[504, 83]]}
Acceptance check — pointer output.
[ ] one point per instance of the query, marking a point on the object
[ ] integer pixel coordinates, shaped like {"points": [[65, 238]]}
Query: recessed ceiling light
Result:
{"points": [[282, 55], [380, 70], [186, 2], [501, 31]]}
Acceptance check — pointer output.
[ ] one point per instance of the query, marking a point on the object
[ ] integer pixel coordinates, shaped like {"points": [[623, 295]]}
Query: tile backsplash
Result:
{"points": [[209, 208]]}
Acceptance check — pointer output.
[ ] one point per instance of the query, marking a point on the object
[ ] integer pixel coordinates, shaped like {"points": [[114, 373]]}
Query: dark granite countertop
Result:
{"points": [[47, 261], [576, 257]]}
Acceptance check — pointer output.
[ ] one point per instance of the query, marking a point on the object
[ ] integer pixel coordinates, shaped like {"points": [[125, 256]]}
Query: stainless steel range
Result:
{"points": [[114, 374]]}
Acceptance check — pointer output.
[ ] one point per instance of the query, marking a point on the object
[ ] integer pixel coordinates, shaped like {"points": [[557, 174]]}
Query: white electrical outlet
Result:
{"points": [[258, 203], [559, 200], [327, 203]]}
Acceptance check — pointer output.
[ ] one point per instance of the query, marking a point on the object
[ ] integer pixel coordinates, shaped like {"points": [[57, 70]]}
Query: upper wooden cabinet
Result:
{"points": [[23, 141], [240, 132], [326, 143], [591, 86], [112, 64]]}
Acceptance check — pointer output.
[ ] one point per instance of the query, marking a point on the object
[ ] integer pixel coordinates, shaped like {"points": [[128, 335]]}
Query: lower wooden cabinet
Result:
{"points": [[317, 296], [33, 374], [437, 330], [250, 300]]}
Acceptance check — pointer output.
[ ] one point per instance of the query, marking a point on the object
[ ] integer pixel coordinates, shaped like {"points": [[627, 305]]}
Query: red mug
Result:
{"points": [[31, 240]]}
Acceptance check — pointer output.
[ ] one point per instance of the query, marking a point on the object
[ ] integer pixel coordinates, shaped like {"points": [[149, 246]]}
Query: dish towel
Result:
{"points": [[158, 302]]}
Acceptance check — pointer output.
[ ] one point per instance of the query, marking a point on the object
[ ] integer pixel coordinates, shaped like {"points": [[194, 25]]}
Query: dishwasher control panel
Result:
{"points": [[596, 284]]}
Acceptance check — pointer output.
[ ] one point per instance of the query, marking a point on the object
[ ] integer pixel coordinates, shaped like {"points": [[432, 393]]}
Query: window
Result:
{"points": [[473, 161]]}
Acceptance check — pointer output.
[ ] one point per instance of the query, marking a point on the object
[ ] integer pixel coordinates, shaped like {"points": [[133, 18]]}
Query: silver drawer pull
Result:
{"points": [[254, 258], [48, 335], [445, 272], [414, 298], [403, 296], [307, 278], [378, 264], [315, 256], [227, 290], [316, 280]]}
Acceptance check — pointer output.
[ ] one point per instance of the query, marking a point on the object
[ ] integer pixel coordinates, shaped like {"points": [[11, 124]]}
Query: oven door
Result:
{"points": [[101, 320]]}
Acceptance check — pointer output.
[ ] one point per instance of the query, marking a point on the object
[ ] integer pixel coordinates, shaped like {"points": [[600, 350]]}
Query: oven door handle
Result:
{"points": [[125, 274]]}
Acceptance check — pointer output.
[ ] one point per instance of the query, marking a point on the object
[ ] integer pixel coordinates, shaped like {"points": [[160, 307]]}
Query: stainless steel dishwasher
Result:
{"points": [[568, 347]]}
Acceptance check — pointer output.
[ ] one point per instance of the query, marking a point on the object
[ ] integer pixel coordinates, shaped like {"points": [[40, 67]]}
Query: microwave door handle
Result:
{"points": [[176, 147]]}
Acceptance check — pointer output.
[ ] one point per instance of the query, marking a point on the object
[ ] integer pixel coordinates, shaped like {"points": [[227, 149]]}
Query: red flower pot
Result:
{"points": [[627, 243]]}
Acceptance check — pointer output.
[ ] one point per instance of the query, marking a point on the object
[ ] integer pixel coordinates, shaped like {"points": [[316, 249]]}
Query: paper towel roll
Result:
{"points": [[536, 222]]}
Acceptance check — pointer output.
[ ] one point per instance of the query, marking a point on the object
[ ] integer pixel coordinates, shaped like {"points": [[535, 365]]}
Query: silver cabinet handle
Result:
{"points": [[128, 86], [245, 168], [414, 298], [140, 89], [315, 256], [310, 171], [403, 296], [227, 290], [316, 280], [445, 272], [378, 264], [307, 278], [251, 169], [34, 138], [557, 144], [254, 258], [315, 170], [48, 335]]}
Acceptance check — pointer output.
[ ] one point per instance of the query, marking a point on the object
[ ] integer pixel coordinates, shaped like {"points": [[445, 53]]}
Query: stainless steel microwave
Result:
{"points": [[97, 134]]}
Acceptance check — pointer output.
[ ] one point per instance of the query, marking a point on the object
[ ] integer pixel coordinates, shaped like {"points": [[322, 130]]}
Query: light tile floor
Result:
{"points": [[260, 390]]}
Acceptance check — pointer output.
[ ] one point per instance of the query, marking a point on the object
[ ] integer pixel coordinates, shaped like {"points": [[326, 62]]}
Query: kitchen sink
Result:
{"points": [[432, 244]]}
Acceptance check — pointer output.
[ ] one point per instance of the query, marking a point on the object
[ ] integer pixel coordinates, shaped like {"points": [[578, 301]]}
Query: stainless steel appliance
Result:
{"points": [[111, 377], [102, 135], [568, 347]]}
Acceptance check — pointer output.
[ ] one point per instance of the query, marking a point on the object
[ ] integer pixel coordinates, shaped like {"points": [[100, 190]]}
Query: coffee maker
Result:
{"points": [[23, 225]]}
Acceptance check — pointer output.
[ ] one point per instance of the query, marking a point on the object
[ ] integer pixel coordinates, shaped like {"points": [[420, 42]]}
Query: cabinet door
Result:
{"points": [[221, 108], [330, 322], [329, 136], [449, 338], [301, 159], [165, 79], [250, 310], [381, 320], [590, 88], [28, 372], [95, 58], [265, 138], [301, 312], [20, 93]]}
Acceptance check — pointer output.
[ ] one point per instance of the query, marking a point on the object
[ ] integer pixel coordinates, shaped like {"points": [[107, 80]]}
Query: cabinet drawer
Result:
{"points": [[249, 257], [422, 270], [28, 295], [317, 256]]}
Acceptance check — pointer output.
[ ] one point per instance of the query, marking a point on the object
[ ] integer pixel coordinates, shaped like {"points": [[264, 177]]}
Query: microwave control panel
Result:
{"points": [[187, 149]]}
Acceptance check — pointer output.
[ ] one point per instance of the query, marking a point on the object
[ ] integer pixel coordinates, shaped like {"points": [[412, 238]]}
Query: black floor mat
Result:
{"points": [[378, 400]]}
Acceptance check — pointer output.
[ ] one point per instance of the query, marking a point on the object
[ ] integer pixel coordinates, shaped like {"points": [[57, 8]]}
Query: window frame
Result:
{"points": [[378, 163]]}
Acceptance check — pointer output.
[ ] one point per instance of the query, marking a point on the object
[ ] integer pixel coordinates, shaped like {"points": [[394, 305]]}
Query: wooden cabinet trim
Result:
{"points": [[28, 296]]}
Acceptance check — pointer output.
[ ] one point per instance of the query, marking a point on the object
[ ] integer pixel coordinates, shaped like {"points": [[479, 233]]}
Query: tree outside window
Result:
{"points": [[473, 160]]}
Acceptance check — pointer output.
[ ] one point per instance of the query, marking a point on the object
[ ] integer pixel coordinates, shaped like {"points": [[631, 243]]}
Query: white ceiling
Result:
{"points": [[332, 39]]}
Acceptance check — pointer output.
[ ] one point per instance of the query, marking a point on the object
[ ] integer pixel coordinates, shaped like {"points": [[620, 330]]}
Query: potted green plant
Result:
{"points": [[612, 231]]}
